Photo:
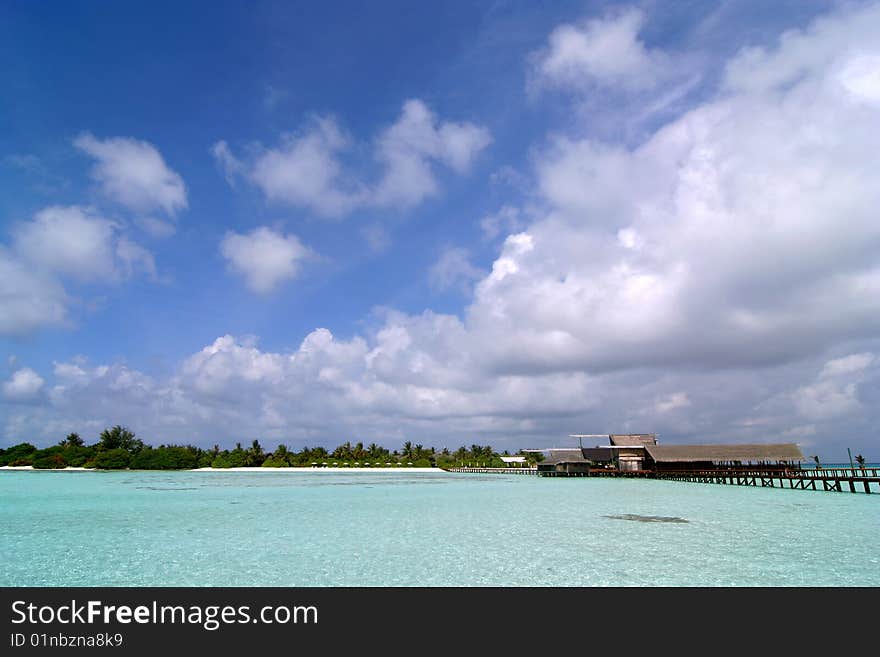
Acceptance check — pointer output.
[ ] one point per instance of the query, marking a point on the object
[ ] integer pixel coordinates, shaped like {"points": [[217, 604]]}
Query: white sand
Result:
{"points": [[30, 467], [260, 469], [328, 468]]}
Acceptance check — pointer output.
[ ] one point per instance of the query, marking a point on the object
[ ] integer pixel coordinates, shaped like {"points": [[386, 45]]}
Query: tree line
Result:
{"points": [[117, 448]]}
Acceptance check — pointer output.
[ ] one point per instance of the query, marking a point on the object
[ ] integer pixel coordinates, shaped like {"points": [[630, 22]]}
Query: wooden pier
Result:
{"points": [[514, 471], [840, 480], [853, 480]]}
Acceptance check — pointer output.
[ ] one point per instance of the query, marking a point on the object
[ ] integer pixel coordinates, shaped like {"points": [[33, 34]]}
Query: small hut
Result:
{"points": [[565, 461]]}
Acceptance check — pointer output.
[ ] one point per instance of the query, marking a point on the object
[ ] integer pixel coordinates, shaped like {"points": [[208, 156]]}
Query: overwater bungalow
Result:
{"points": [[565, 461], [767, 456], [641, 452]]}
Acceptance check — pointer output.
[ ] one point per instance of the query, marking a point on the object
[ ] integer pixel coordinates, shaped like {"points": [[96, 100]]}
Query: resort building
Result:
{"points": [[711, 457], [564, 461], [637, 452]]}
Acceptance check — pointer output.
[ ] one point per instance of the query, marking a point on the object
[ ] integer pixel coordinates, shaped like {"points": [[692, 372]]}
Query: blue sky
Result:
{"points": [[452, 223]]}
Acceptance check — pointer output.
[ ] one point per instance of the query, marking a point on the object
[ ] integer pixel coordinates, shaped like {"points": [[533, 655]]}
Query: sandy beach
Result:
{"points": [[30, 467], [324, 469], [309, 469]]}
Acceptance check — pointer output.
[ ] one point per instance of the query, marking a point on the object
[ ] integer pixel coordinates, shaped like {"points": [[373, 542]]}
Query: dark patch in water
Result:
{"points": [[638, 518], [157, 488]]}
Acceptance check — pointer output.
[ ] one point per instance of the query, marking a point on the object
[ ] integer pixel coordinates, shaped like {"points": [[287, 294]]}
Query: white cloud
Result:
{"points": [[408, 148], [848, 365], [57, 245], [134, 174], [134, 258], [24, 384], [699, 277], [742, 233], [671, 402], [306, 169], [453, 269], [76, 242], [230, 165], [29, 299], [826, 399], [69, 240], [264, 257], [606, 51], [834, 392]]}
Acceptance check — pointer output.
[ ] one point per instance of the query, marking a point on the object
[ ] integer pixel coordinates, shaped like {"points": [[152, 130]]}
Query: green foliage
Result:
{"points": [[49, 459], [118, 448], [78, 457], [72, 440], [254, 456], [112, 459], [119, 438], [165, 458], [18, 454], [237, 458]]}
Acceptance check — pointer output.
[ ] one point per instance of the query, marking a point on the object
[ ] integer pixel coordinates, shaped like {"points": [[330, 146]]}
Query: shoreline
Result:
{"points": [[256, 469]]}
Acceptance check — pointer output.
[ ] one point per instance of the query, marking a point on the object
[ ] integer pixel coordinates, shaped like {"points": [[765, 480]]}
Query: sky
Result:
{"points": [[450, 222]]}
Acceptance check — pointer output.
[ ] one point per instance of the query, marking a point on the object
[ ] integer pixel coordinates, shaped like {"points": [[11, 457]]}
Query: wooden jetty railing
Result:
{"points": [[830, 479], [854, 480]]}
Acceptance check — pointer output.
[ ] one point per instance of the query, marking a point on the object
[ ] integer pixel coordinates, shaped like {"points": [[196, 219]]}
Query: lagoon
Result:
{"points": [[338, 528]]}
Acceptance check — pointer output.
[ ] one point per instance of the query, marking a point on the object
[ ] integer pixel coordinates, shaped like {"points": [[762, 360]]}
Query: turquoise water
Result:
{"points": [[424, 529]]}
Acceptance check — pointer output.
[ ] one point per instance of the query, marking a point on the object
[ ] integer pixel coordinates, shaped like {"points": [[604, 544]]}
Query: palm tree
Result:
{"points": [[72, 440], [255, 455], [861, 461]]}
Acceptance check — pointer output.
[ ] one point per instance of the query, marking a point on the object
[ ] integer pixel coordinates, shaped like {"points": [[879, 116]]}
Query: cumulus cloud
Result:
{"points": [[739, 234], [61, 244], [717, 281], [77, 242], [410, 146], [69, 240], [306, 169], [264, 257], [29, 299], [24, 384], [133, 173], [604, 51]]}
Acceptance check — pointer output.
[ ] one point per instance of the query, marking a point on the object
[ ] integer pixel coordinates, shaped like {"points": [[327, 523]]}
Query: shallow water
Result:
{"points": [[425, 529]]}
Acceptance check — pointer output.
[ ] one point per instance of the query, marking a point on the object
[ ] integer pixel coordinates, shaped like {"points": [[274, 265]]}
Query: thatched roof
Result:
{"points": [[633, 439], [716, 453], [565, 456]]}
